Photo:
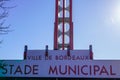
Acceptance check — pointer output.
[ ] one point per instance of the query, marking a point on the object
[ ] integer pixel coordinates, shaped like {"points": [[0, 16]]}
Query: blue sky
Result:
{"points": [[96, 22]]}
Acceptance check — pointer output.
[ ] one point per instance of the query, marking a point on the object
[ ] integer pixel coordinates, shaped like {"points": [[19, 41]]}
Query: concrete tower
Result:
{"points": [[63, 29]]}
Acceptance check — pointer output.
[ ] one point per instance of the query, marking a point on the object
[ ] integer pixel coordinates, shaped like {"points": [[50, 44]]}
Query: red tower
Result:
{"points": [[63, 29]]}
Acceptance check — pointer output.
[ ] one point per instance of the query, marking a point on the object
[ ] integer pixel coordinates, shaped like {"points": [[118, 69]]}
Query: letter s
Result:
{"points": [[4, 70]]}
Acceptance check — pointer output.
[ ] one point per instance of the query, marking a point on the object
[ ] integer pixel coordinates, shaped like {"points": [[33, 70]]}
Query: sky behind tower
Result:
{"points": [[96, 22]]}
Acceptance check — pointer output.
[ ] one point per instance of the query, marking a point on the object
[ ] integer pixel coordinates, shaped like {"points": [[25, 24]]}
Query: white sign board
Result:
{"points": [[60, 69], [58, 55]]}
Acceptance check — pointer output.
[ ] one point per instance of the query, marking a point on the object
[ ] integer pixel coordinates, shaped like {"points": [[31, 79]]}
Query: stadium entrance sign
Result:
{"points": [[68, 69]]}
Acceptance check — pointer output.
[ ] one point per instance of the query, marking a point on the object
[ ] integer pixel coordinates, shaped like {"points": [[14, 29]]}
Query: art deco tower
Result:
{"points": [[63, 29]]}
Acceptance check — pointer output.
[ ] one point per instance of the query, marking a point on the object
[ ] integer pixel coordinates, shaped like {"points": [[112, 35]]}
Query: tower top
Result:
{"points": [[63, 29]]}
